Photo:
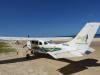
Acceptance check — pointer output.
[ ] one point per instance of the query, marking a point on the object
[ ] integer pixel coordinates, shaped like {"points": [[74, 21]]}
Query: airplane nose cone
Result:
{"points": [[88, 52]]}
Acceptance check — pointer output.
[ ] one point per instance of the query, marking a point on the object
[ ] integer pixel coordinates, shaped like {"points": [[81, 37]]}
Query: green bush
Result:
{"points": [[5, 48]]}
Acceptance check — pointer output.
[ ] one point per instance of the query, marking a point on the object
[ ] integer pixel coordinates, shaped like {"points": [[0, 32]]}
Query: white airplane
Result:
{"points": [[77, 47]]}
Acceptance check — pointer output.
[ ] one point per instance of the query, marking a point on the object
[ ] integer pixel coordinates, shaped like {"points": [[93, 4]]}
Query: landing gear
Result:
{"points": [[29, 53], [27, 56], [36, 54], [32, 52]]}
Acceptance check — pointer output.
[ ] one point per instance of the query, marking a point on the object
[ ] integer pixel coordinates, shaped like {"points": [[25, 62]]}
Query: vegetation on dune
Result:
{"points": [[5, 48]]}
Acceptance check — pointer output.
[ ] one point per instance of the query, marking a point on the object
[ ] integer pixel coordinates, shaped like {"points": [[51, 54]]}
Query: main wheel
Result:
{"points": [[32, 52], [36, 54], [27, 56]]}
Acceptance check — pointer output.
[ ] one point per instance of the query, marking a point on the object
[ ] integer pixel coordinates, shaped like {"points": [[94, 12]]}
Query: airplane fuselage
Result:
{"points": [[64, 48]]}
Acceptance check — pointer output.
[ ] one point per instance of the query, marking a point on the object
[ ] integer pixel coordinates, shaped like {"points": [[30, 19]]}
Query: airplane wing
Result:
{"points": [[36, 38], [64, 54]]}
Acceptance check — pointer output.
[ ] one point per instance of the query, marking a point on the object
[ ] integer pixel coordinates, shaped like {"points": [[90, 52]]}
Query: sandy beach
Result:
{"points": [[11, 64]]}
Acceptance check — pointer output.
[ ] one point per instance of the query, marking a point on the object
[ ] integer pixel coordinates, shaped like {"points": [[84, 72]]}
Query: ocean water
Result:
{"points": [[97, 36]]}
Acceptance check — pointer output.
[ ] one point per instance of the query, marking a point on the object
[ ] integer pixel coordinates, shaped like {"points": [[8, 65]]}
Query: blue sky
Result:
{"points": [[46, 17]]}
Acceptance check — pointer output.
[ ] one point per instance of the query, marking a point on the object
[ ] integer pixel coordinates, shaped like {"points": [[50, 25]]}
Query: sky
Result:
{"points": [[46, 17]]}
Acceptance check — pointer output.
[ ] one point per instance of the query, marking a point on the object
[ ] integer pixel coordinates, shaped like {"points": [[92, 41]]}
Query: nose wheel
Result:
{"points": [[30, 53]]}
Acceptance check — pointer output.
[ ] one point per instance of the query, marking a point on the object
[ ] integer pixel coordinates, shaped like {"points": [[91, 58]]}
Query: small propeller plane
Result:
{"points": [[77, 47]]}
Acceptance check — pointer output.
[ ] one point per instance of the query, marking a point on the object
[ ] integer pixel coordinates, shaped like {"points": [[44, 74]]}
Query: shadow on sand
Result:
{"points": [[22, 59], [72, 67], [77, 66]]}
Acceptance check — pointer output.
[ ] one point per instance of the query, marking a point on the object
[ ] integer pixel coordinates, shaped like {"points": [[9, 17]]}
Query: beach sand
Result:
{"points": [[11, 64]]}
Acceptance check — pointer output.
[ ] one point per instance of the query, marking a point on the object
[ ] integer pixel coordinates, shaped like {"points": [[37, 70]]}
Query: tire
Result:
{"points": [[32, 52], [36, 53], [27, 56]]}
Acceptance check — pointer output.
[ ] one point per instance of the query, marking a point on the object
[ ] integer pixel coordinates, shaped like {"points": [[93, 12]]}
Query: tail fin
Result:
{"points": [[86, 35]]}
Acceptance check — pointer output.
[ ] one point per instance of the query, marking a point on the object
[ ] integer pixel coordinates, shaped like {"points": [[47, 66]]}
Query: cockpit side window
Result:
{"points": [[32, 42], [36, 42], [45, 43], [40, 43]]}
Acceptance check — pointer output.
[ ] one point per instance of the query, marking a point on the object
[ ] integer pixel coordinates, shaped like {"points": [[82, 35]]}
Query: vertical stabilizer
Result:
{"points": [[86, 35]]}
